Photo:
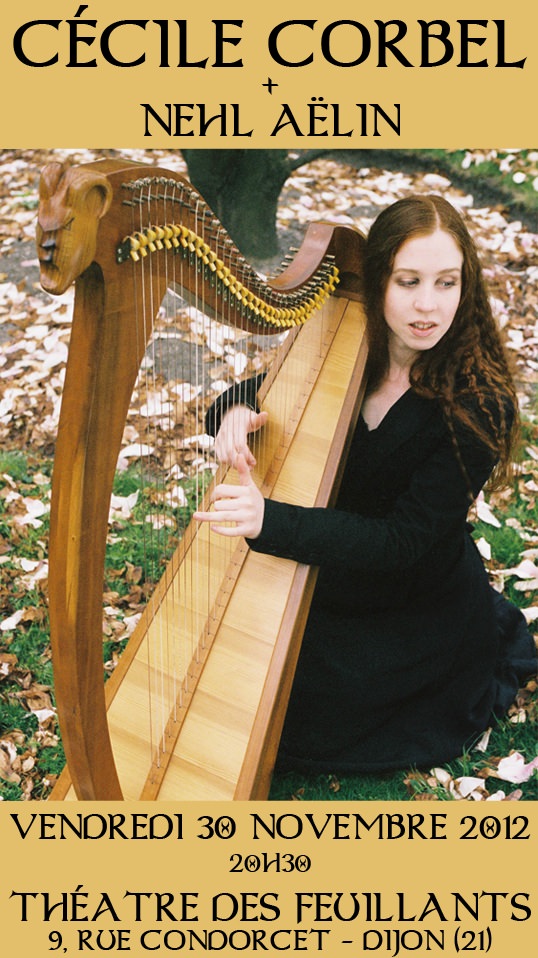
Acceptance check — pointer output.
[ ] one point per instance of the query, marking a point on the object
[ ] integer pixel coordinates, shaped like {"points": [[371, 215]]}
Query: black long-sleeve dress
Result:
{"points": [[408, 653]]}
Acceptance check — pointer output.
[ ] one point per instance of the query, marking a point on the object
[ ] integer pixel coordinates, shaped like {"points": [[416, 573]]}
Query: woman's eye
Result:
{"points": [[407, 282]]}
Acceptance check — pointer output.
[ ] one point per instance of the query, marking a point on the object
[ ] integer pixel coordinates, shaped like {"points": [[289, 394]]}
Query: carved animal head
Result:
{"points": [[72, 200]]}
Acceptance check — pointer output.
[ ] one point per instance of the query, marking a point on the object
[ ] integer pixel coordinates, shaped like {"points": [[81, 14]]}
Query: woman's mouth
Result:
{"points": [[422, 328]]}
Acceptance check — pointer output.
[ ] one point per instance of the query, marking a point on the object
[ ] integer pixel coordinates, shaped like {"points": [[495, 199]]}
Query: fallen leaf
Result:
{"points": [[514, 769]]}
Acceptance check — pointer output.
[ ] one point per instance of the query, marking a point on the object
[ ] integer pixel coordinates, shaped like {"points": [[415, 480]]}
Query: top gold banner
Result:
{"points": [[235, 75]]}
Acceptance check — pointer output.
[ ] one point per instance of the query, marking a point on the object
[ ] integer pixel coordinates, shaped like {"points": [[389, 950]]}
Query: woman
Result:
{"points": [[408, 652]]}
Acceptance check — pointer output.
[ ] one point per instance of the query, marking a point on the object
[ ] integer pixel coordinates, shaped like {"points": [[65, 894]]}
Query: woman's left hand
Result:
{"points": [[242, 505]]}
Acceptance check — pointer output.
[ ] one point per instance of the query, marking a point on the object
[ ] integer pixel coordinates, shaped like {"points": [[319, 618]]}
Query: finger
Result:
{"points": [[249, 457], [229, 531], [243, 450], [224, 491], [221, 517], [231, 503], [242, 467], [225, 510], [229, 528], [203, 516], [228, 454], [257, 421]]}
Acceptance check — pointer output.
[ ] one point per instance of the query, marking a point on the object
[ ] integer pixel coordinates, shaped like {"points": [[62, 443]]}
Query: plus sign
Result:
{"points": [[269, 85]]}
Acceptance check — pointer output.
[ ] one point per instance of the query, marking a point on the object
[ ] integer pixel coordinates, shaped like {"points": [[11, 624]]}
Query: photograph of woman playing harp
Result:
{"points": [[408, 653]]}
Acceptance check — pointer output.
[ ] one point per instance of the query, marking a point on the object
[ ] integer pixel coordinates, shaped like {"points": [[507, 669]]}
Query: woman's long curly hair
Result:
{"points": [[468, 368]]}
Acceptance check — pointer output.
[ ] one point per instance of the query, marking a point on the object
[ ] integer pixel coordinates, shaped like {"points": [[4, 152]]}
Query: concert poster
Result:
{"points": [[367, 103]]}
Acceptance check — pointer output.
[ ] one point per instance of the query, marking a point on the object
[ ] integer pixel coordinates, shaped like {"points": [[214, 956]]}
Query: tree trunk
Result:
{"points": [[242, 188]]}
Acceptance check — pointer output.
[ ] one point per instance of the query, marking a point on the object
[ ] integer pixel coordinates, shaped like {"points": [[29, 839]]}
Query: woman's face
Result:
{"points": [[423, 293]]}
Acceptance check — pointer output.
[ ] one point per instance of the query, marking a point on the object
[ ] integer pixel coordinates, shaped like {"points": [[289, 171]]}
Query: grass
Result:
{"points": [[498, 169], [388, 787]]}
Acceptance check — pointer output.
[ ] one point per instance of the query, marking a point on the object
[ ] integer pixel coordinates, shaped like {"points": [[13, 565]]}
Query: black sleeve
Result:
{"points": [[241, 394], [435, 504]]}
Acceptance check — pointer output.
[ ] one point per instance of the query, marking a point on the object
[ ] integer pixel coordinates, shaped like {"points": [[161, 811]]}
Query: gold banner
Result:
{"points": [[351, 879], [244, 75]]}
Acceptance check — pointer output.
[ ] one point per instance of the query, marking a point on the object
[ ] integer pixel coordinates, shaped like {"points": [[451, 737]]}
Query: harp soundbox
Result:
{"points": [[195, 707]]}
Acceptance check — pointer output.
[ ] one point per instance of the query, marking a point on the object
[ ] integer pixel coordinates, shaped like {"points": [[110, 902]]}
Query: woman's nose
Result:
{"points": [[425, 300]]}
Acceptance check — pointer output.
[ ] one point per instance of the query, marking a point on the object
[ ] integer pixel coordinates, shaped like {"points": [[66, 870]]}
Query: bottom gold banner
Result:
{"points": [[349, 879]]}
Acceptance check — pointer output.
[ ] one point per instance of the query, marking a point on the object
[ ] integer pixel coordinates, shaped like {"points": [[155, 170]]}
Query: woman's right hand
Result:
{"points": [[232, 437]]}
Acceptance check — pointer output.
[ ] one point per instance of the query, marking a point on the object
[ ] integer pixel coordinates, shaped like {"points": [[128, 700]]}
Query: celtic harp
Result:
{"points": [[195, 706]]}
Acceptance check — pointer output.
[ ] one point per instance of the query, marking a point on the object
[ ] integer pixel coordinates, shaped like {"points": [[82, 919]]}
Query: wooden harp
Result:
{"points": [[208, 725]]}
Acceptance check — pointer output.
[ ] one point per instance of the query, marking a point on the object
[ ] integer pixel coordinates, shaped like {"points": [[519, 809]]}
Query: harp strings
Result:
{"points": [[190, 591], [173, 644], [144, 402], [154, 421]]}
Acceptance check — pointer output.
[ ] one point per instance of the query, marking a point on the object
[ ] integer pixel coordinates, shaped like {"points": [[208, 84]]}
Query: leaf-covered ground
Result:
{"points": [[34, 336]]}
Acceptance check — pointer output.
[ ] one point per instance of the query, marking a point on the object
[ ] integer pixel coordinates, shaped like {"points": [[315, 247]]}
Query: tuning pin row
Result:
{"points": [[293, 313]]}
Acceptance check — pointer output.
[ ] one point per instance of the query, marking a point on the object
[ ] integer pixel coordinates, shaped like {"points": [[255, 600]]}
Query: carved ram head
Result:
{"points": [[72, 201]]}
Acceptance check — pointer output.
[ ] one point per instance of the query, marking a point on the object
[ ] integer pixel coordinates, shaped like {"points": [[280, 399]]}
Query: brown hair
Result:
{"points": [[467, 370]]}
